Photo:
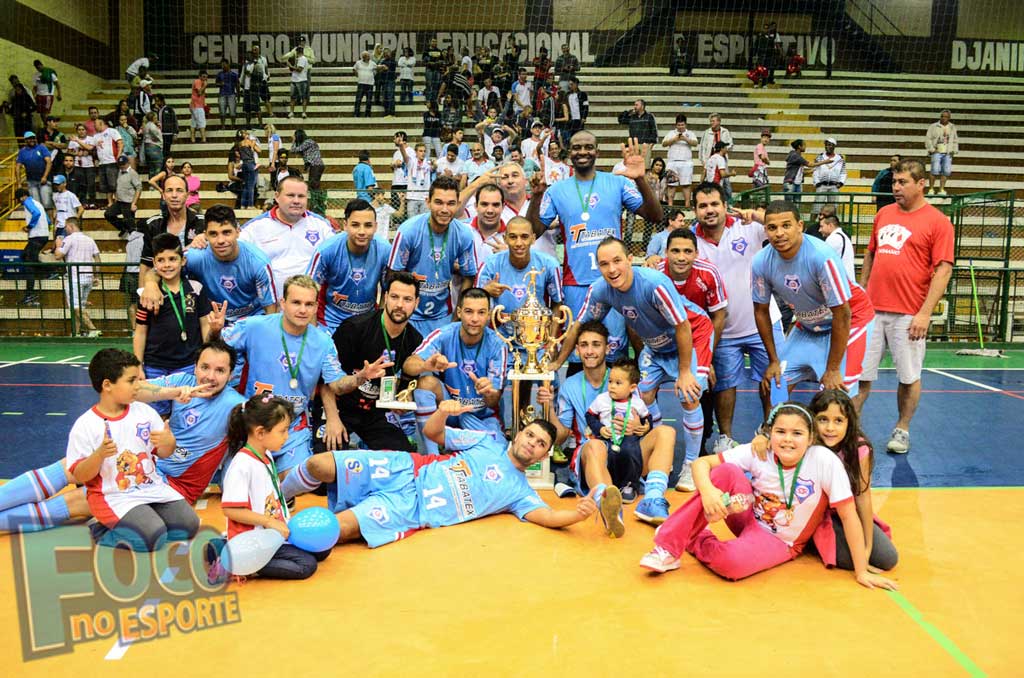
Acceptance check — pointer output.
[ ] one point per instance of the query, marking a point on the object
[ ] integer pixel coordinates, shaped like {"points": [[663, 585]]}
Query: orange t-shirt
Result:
{"points": [[907, 246]]}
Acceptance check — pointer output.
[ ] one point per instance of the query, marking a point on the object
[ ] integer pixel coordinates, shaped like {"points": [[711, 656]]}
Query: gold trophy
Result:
{"points": [[391, 398], [532, 325]]}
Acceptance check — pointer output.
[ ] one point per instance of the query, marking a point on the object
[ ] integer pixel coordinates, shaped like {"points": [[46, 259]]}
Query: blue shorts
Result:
{"points": [[806, 354], [163, 407], [658, 368], [380, 490], [296, 450], [618, 342], [728, 358], [624, 466], [427, 325], [942, 164]]}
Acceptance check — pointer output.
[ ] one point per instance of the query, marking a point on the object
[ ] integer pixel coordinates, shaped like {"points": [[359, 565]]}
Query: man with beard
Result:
{"points": [[589, 209], [232, 272], [469, 360], [178, 220], [367, 337], [199, 416]]}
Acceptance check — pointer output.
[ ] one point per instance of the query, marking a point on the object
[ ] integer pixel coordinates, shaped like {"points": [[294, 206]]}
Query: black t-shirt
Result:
{"points": [[157, 224], [361, 338], [794, 161], [164, 347], [431, 125]]}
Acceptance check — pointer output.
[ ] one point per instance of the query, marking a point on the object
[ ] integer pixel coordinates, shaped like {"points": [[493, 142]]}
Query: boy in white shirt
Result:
{"points": [[65, 204], [299, 69], [78, 248], [419, 182], [680, 143], [834, 235], [384, 210]]}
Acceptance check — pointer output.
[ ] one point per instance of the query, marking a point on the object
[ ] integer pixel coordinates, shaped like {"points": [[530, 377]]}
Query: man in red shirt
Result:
{"points": [[906, 269]]}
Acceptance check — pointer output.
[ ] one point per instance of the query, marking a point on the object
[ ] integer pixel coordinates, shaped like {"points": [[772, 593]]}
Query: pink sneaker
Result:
{"points": [[659, 560]]}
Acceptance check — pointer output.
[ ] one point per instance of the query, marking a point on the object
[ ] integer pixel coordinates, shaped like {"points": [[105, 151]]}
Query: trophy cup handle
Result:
{"points": [[496, 320], [566, 318]]}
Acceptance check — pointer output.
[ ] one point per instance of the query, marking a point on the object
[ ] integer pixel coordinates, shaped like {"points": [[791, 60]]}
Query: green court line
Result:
{"points": [[945, 643]]}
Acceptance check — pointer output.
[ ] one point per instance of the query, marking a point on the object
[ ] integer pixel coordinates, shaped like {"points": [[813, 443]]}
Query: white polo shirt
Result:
{"points": [[289, 247]]}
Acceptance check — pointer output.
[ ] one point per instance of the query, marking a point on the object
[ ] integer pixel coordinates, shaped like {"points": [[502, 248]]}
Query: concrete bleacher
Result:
{"points": [[871, 115]]}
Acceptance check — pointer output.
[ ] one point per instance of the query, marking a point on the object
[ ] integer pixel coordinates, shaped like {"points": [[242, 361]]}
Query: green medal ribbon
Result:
{"points": [[585, 202], [617, 438], [782, 482], [293, 371], [179, 315], [268, 464]]}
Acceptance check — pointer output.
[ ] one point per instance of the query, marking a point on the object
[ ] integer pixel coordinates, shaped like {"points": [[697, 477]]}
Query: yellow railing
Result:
{"points": [[8, 175]]}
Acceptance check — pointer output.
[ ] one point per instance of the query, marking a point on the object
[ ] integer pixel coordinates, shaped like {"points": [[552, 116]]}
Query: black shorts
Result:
{"points": [[626, 465], [107, 177], [263, 89], [130, 286]]}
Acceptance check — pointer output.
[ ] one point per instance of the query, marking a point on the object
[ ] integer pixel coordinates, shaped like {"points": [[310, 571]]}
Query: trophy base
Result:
{"points": [[539, 475], [396, 405], [526, 376]]}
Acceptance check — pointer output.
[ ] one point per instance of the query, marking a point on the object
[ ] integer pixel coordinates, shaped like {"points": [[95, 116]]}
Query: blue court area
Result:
{"points": [[962, 435]]}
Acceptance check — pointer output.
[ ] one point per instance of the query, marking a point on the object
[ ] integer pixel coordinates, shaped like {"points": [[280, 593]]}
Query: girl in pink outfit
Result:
{"points": [[791, 491], [192, 184]]}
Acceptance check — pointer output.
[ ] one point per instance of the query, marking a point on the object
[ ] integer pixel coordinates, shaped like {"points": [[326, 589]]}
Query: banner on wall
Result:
{"points": [[346, 48], [982, 56], [713, 50]]}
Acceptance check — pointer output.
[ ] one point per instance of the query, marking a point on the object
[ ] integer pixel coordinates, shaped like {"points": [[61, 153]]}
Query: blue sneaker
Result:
{"points": [[652, 511], [610, 508]]}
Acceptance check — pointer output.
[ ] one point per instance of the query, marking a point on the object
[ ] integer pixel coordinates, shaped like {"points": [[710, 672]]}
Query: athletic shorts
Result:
{"points": [[618, 344], [380, 490], [728, 358], [684, 168], [198, 118], [942, 164], [806, 354], [264, 90], [300, 91], [891, 331], [624, 466], [298, 448], [659, 368], [77, 289]]}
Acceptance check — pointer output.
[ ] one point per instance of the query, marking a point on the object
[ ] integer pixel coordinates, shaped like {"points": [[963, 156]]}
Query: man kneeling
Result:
{"points": [[386, 496]]}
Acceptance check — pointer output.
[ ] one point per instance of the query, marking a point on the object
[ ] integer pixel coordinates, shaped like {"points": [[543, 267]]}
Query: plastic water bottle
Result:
{"points": [[737, 503], [780, 391]]}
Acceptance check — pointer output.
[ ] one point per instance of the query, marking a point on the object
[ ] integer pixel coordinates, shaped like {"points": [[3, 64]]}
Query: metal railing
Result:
{"points": [[8, 175]]}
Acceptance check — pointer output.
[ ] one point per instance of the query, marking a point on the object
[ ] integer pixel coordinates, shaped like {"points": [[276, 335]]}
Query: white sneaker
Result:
{"points": [[723, 443], [659, 560], [899, 441], [685, 482], [291, 115]]}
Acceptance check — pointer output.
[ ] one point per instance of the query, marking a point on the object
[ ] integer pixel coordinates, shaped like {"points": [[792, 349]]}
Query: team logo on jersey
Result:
{"points": [[191, 417], [594, 199], [358, 275], [338, 297], [190, 304], [228, 282], [792, 282], [283, 360], [893, 237], [630, 312], [353, 465], [379, 515], [436, 256], [804, 489], [469, 365], [519, 291], [739, 245], [493, 474], [142, 432], [313, 236], [614, 344]]}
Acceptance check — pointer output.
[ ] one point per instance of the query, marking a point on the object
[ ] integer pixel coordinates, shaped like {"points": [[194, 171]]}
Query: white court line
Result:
{"points": [[68, 360], [33, 359], [987, 387], [201, 504]]}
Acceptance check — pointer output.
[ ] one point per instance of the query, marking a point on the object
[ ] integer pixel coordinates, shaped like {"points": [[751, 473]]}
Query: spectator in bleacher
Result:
{"points": [[363, 177], [406, 66], [458, 138], [906, 268], [717, 171], [579, 107], [167, 119], [712, 136], [528, 165], [130, 277], [69, 171], [90, 123], [419, 182], [78, 248], [433, 63], [65, 204], [554, 166], [794, 63], [477, 164], [941, 143], [123, 107], [383, 209], [641, 123], [250, 85], [34, 167], [108, 145], [192, 182], [562, 117], [387, 76], [22, 108], [168, 168], [152, 142], [567, 66], [830, 175], [129, 140], [366, 72], [84, 184], [759, 172], [882, 185], [542, 66], [299, 81], [768, 50], [658, 177], [313, 166], [248, 174], [46, 86], [680, 143], [140, 102], [37, 225], [138, 67], [449, 165], [175, 219], [432, 130], [197, 107], [681, 63], [489, 95], [401, 160], [280, 171], [522, 92], [836, 238], [796, 163], [273, 143], [377, 57], [513, 54], [127, 188], [227, 97], [534, 144], [261, 79], [658, 243]]}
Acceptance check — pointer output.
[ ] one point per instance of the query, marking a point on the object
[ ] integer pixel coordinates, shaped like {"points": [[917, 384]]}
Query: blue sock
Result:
{"points": [[426, 405], [657, 482], [299, 481], [693, 431], [33, 517], [599, 493], [33, 486]]}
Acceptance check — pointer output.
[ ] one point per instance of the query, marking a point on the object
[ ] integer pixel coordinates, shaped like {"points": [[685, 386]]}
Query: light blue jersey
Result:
{"points": [[487, 358], [810, 283], [246, 283], [267, 371], [433, 258], [658, 244], [574, 398], [480, 481], [549, 282], [652, 307], [348, 283], [608, 194]]}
